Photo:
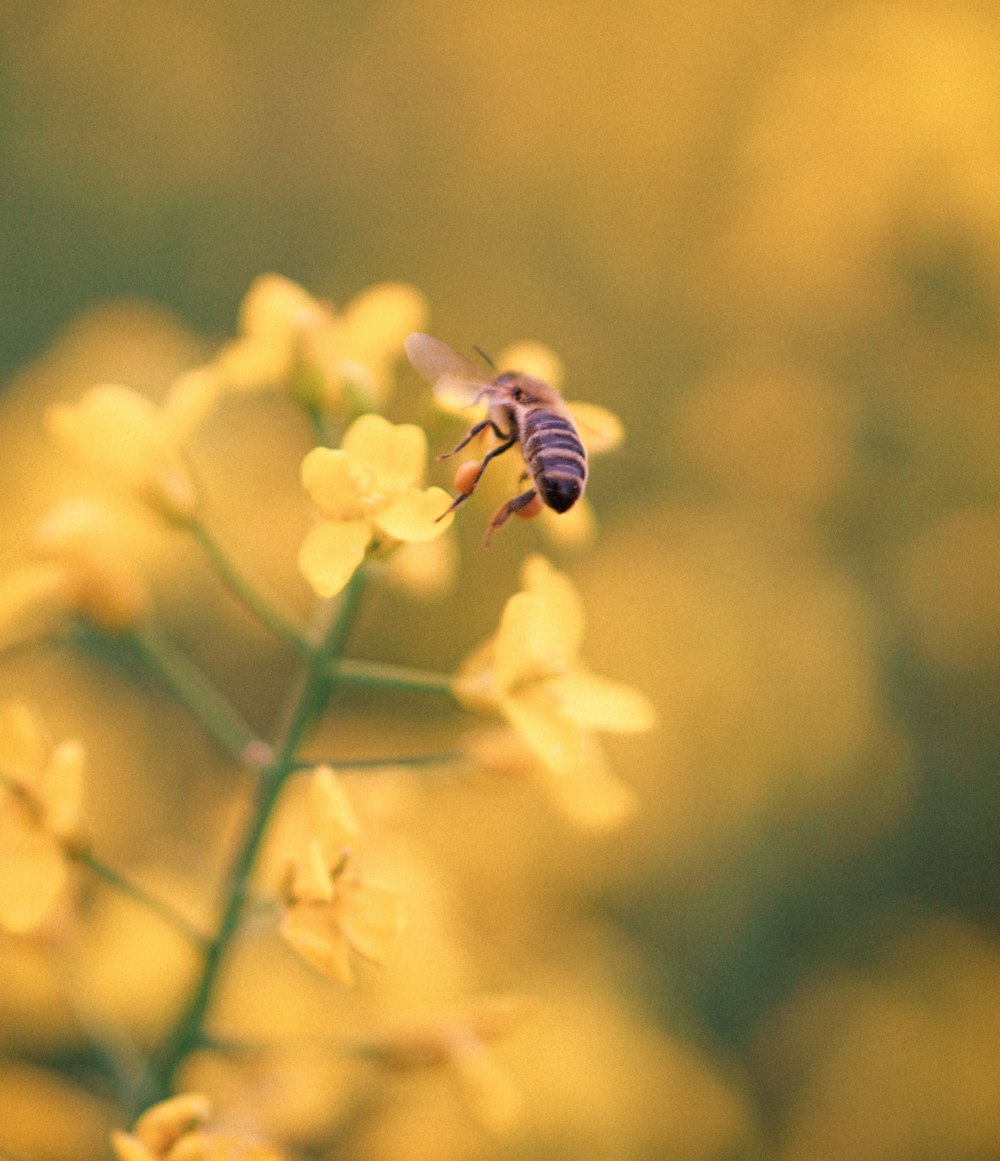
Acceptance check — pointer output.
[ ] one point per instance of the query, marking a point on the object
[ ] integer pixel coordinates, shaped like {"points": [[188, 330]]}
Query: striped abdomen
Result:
{"points": [[554, 455]]}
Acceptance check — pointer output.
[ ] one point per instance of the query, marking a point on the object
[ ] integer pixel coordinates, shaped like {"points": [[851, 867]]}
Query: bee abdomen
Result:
{"points": [[556, 458]]}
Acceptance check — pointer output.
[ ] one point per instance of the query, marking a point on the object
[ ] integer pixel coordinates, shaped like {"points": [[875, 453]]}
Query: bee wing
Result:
{"points": [[455, 378]]}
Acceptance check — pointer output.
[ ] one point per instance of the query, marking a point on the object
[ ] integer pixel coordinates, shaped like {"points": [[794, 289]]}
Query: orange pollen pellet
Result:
{"points": [[531, 509], [466, 476]]}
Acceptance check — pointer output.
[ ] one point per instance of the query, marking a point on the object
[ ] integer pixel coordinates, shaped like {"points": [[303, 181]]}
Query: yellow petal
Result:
{"points": [[129, 1148], [273, 314], [308, 927], [573, 529], [475, 684], [532, 643], [330, 810], [600, 429], [330, 553], [114, 430], [372, 920], [380, 318], [327, 477], [393, 454], [565, 607], [62, 784], [33, 872], [560, 743], [416, 514], [22, 743], [163, 1124], [601, 704], [191, 399], [312, 881], [533, 359], [490, 1094], [31, 596], [591, 795]]}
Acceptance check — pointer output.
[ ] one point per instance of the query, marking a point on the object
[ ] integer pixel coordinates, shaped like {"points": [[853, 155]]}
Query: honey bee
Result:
{"points": [[523, 412]]}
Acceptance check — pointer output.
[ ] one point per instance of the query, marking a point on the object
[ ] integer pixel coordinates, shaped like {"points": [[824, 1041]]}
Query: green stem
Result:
{"points": [[152, 904], [377, 675], [444, 758], [194, 690], [327, 641], [283, 627]]}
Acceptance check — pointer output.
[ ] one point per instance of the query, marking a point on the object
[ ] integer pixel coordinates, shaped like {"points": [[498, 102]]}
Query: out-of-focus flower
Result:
{"points": [[600, 430], [41, 794], [341, 362], [174, 1130], [530, 672], [135, 445], [458, 1041], [369, 495], [87, 569], [331, 908]]}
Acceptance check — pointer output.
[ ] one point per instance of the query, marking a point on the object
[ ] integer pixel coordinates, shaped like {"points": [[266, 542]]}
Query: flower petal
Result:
{"points": [[330, 553], [600, 429], [601, 704], [22, 743], [394, 454], [379, 319], [330, 812], [327, 476], [32, 872], [590, 795], [310, 929], [533, 359], [565, 607], [62, 787], [416, 514], [560, 743], [372, 920]]}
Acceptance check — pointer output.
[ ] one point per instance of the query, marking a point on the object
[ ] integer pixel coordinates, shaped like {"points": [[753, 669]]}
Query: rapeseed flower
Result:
{"points": [[41, 792], [331, 909], [530, 672], [175, 1130], [369, 495], [135, 444], [339, 361], [83, 567]]}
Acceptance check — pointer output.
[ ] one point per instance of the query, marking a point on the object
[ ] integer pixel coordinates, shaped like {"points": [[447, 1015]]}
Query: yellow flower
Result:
{"points": [[174, 1130], [41, 790], [530, 672], [332, 911], [133, 444], [86, 568], [337, 361], [369, 495]]}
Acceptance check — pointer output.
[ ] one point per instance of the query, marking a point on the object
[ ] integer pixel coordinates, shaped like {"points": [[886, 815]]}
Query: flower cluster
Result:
{"points": [[85, 586]]}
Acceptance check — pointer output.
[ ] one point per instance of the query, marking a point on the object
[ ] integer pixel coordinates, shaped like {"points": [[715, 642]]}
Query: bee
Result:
{"points": [[522, 412]]}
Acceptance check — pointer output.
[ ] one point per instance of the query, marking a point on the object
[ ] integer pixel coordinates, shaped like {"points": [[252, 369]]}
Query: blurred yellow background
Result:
{"points": [[766, 234]]}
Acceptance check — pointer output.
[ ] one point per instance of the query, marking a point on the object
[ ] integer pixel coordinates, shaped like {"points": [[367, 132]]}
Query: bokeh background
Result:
{"points": [[768, 235]]}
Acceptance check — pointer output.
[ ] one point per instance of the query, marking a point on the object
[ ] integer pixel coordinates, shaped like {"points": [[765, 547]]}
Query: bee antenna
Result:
{"points": [[483, 355]]}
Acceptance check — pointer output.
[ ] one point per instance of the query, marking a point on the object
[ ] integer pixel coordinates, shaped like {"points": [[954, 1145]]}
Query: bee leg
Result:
{"points": [[506, 511], [492, 454], [470, 435]]}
